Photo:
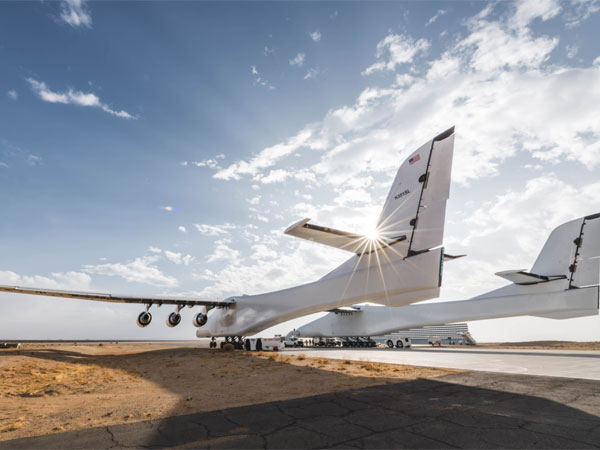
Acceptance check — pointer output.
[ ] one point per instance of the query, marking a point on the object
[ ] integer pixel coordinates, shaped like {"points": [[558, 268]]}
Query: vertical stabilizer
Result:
{"points": [[416, 204], [572, 250]]}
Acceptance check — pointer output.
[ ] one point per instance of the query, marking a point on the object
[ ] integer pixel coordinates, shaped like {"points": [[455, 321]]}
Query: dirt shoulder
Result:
{"points": [[49, 388]]}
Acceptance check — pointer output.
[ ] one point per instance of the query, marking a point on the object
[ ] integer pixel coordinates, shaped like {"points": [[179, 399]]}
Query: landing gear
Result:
{"points": [[212, 343], [390, 343], [399, 344], [236, 341]]}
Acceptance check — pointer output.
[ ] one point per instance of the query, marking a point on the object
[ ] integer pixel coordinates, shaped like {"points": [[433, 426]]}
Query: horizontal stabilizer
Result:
{"points": [[524, 277], [448, 257], [343, 240], [346, 310]]}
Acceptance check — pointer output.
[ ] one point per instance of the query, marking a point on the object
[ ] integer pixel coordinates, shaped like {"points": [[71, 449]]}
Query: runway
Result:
{"points": [[552, 363]]}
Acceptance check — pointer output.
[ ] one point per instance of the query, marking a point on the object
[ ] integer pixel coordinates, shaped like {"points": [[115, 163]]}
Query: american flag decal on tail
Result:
{"points": [[414, 159]]}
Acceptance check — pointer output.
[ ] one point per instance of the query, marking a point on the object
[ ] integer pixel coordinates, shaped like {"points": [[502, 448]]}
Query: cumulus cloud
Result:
{"points": [[400, 49], [496, 84], [528, 10], [12, 94], [167, 208], [178, 258], [214, 230], [72, 97], [297, 60], [182, 229], [140, 270], [222, 252], [75, 13], [315, 35]]}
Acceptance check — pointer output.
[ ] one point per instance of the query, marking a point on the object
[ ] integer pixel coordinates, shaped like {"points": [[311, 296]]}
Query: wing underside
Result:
{"points": [[99, 297]]}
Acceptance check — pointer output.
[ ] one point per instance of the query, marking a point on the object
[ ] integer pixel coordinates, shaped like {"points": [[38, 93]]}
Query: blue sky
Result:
{"points": [[163, 147]]}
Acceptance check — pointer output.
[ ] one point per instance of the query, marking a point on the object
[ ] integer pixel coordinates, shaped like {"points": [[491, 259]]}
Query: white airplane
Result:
{"points": [[402, 264], [563, 283]]}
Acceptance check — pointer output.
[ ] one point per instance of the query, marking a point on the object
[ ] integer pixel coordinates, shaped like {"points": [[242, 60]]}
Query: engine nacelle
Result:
{"points": [[174, 319], [144, 319], [200, 320]]}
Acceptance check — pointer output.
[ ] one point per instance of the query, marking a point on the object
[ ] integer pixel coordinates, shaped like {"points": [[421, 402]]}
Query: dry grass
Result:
{"points": [[16, 425]]}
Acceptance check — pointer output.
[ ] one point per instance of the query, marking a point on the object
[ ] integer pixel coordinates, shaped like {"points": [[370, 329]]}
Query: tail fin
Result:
{"points": [[572, 250], [416, 204]]}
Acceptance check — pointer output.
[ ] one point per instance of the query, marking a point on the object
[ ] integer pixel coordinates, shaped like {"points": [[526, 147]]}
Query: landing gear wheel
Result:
{"points": [[390, 343], [399, 344]]}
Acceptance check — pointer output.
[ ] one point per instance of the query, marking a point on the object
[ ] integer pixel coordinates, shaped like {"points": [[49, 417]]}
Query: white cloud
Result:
{"points": [[259, 80], [211, 163], [222, 252], [311, 73], [580, 10], [75, 13], [297, 60], [436, 16], [254, 200], [572, 51], [262, 252], [214, 230], [315, 35], [140, 270], [268, 157], [3, 164], [71, 281], [167, 208], [528, 10], [529, 215], [74, 98], [154, 249], [182, 229], [267, 51], [178, 258], [12, 94], [401, 49]]}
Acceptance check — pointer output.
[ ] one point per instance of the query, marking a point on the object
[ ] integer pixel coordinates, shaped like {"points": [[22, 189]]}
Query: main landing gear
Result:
{"points": [[236, 341]]}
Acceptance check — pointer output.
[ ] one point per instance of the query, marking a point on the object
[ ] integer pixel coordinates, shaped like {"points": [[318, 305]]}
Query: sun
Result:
{"points": [[372, 234]]}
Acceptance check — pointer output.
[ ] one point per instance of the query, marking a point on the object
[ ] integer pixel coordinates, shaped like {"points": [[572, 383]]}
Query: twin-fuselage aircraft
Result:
{"points": [[400, 265]]}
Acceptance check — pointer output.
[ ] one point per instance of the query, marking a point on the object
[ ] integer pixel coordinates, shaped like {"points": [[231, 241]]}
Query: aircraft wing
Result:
{"points": [[117, 298], [343, 240]]}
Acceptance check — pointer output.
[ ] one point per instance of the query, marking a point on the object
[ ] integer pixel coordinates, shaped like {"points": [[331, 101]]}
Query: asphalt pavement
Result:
{"points": [[463, 410], [551, 363]]}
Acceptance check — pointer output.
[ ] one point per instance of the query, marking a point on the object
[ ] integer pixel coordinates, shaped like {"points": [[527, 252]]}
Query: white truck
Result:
{"points": [[396, 340]]}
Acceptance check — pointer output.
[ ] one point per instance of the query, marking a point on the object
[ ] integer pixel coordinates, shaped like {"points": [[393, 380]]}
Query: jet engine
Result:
{"points": [[144, 319], [200, 319], [174, 319]]}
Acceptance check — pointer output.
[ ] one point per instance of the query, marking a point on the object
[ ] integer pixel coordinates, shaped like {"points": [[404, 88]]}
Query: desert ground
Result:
{"points": [[51, 388]]}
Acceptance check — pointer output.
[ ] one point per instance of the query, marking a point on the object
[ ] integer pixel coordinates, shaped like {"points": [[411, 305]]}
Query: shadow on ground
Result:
{"points": [[467, 410]]}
